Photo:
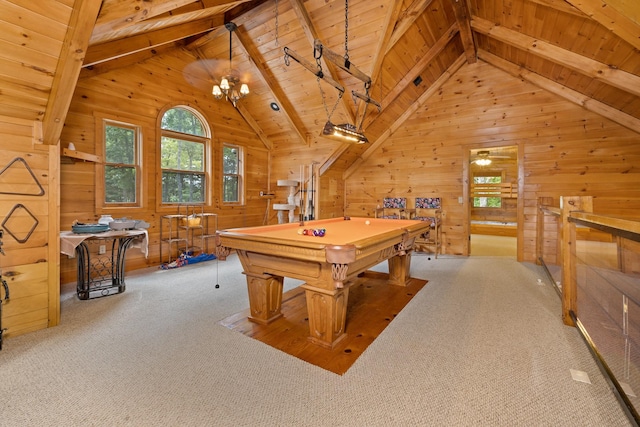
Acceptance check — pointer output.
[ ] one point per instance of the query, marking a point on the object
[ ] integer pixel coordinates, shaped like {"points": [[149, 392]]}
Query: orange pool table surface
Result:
{"points": [[327, 264]]}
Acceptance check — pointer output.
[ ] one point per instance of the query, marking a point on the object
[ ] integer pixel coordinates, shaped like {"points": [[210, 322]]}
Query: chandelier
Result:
{"points": [[228, 82]]}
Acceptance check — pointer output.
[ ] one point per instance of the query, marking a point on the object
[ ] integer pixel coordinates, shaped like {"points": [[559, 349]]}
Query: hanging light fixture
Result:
{"points": [[483, 159], [228, 82], [344, 132]]}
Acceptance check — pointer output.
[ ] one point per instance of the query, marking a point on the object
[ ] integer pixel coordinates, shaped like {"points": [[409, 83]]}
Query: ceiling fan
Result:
{"points": [[483, 158]]}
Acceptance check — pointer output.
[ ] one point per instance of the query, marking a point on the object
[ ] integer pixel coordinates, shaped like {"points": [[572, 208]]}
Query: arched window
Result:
{"points": [[183, 146]]}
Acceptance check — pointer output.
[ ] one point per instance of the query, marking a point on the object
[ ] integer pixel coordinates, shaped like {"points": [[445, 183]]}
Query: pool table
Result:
{"points": [[327, 264]]}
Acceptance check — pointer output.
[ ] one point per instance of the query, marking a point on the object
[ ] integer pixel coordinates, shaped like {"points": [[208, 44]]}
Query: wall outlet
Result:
{"points": [[102, 249]]}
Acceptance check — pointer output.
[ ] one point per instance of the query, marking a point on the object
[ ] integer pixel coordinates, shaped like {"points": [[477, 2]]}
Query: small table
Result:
{"points": [[327, 264], [105, 276]]}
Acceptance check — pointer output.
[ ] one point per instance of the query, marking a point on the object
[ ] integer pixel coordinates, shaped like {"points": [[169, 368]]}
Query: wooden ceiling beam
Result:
{"points": [[461, 11], [629, 8], [311, 34], [115, 49], [571, 95], [253, 125], [615, 20], [117, 15], [74, 48], [419, 67], [397, 124], [389, 24], [560, 6], [280, 97], [125, 61], [588, 67], [406, 20]]}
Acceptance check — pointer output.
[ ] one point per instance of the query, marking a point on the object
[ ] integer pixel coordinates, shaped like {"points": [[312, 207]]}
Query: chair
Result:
{"points": [[392, 208], [429, 209]]}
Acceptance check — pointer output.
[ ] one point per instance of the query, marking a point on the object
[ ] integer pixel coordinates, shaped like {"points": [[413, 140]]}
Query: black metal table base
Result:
{"points": [[92, 280]]}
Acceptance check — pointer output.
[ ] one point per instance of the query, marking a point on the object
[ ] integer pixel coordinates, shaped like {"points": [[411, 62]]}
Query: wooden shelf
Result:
{"points": [[81, 156]]}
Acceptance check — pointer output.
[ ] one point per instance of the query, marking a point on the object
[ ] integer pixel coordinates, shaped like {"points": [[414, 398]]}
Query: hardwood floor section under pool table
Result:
{"points": [[328, 265]]}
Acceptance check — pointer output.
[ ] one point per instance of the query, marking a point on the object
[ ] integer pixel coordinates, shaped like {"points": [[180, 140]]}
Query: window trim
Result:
{"points": [[241, 173], [206, 140], [101, 123]]}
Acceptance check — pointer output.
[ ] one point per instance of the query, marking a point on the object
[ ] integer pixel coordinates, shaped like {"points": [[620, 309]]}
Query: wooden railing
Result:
{"points": [[502, 190]]}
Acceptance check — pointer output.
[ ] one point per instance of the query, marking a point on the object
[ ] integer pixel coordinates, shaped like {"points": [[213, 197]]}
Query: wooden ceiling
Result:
{"points": [[586, 51]]}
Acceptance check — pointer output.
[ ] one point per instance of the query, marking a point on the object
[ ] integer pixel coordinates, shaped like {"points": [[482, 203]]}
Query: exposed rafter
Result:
{"points": [[125, 61], [254, 125], [419, 67], [151, 40], [405, 116], [562, 91], [406, 20], [286, 108], [609, 16], [461, 10], [66, 76], [311, 34], [389, 23], [128, 18], [594, 69]]}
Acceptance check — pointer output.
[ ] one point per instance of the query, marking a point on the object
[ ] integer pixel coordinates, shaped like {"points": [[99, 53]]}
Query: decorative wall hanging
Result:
{"points": [[15, 220], [9, 170]]}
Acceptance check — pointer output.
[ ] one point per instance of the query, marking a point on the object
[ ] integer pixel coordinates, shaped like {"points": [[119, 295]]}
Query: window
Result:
{"points": [[231, 174], [122, 165], [183, 143], [488, 202]]}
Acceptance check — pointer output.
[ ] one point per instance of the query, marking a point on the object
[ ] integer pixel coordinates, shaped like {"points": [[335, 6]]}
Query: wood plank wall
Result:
{"points": [[139, 95], [28, 214], [566, 151]]}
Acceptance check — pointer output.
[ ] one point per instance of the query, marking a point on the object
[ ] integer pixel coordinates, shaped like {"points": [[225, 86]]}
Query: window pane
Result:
{"points": [[230, 188], [182, 155], [487, 202], [120, 145], [184, 121], [182, 187], [230, 160], [120, 184]]}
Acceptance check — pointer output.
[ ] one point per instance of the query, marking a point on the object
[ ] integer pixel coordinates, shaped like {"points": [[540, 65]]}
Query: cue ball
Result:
{"points": [[367, 222]]}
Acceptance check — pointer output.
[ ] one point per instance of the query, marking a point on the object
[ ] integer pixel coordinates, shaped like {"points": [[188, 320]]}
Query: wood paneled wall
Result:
{"points": [[139, 95], [566, 151], [29, 218]]}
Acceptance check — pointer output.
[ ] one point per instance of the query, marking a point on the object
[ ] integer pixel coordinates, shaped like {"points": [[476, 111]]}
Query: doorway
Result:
{"points": [[493, 201]]}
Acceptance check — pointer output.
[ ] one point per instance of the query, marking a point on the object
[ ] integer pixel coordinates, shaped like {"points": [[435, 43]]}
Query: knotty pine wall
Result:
{"points": [[139, 95], [29, 218], [564, 150]]}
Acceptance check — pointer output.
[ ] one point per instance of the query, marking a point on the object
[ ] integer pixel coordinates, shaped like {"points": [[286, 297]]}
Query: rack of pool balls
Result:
{"points": [[318, 232]]}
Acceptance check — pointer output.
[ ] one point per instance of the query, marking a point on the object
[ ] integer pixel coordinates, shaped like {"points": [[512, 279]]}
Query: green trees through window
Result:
{"points": [[487, 202], [231, 174], [182, 157], [121, 163]]}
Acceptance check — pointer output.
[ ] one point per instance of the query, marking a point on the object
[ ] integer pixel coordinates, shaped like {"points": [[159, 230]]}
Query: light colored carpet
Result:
{"points": [[482, 345], [485, 245]]}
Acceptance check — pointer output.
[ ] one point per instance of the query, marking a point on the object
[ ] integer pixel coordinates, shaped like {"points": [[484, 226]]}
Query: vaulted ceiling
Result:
{"points": [[587, 51]]}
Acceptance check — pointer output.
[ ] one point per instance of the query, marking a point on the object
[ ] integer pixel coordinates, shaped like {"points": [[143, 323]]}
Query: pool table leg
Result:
{"points": [[399, 267], [327, 311], [265, 297]]}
